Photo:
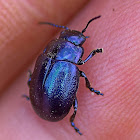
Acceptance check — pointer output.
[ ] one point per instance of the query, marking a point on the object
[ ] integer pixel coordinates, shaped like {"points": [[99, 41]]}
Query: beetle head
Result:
{"points": [[73, 36]]}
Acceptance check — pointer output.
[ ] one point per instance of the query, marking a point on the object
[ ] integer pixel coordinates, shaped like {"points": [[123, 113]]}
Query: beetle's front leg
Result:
{"points": [[75, 105], [81, 62], [82, 74]]}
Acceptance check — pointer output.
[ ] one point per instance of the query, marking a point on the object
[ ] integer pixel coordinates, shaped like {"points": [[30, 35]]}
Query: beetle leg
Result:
{"points": [[75, 105], [81, 62], [25, 96], [82, 74], [29, 80]]}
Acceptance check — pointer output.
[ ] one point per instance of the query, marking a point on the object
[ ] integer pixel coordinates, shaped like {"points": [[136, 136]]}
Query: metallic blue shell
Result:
{"points": [[53, 87], [61, 49]]}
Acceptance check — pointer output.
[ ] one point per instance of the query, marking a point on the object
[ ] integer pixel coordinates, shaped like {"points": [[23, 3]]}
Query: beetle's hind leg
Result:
{"points": [[75, 105], [28, 83], [82, 74]]}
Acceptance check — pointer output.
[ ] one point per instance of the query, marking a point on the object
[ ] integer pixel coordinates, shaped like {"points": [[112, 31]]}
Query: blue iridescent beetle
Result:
{"points": [[54, 82]]}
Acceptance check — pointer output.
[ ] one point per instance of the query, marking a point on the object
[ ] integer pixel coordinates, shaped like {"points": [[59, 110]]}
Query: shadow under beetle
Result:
{"points": [[54, 82]]}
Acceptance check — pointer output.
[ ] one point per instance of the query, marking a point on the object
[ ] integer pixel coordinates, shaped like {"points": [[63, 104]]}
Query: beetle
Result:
{"points": [[55, 79]]}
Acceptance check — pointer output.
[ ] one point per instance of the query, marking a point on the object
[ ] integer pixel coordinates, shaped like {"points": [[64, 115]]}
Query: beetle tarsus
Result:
{"points": [[96, 91], [25, 96], [99, 50], [82, 74], [29, 80], [76, 129]]}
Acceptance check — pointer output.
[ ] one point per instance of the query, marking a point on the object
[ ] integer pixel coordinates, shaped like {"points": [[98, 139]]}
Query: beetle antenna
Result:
{"points": [[90, 22], [59, 26]]}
